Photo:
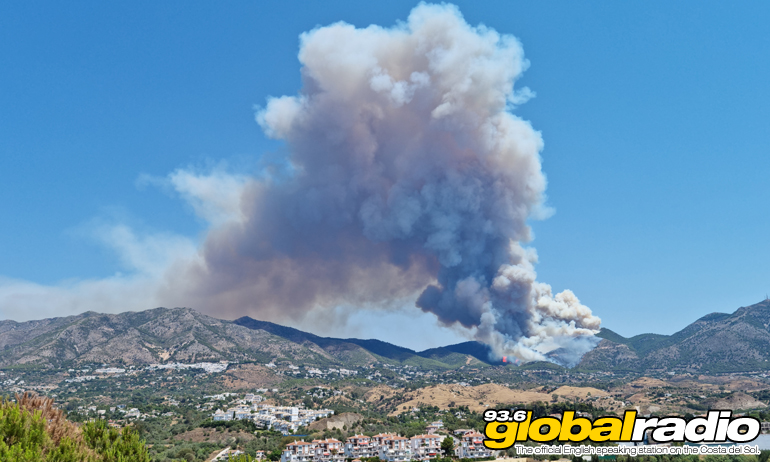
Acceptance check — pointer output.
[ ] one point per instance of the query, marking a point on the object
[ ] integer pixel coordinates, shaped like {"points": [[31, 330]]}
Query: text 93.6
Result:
{"points": [[504, 415]]}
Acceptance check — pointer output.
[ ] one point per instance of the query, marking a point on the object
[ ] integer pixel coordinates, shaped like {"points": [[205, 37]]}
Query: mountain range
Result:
{"points": [[185, 335], [717, 342]]}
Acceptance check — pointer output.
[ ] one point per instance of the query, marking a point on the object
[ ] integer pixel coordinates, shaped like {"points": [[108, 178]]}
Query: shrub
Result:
{"points": [[33, 430]]}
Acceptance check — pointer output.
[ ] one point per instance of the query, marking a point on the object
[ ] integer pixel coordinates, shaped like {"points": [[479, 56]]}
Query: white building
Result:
{"points": [[433, 427], [359, 446], [425, 447], [472, 446], [329, 450], [395, 449], [298, 451], [220, 416], [388, 447], [240, 412]]}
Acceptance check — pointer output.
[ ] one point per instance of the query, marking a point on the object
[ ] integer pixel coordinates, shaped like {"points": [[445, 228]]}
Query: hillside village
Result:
{"points": [[389, 447], [281, 406], [285, 419]]}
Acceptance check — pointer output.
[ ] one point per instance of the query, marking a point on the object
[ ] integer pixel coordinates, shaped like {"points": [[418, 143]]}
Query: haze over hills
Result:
{"points": [[718, 342]]}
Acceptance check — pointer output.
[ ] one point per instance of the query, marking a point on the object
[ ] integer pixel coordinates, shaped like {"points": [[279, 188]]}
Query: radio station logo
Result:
{"points": [[506, 427]]}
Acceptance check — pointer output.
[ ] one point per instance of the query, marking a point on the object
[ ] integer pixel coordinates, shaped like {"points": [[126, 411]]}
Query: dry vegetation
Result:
{"points": [[211, 435], [247, 376], [57, 426], [340, 421], [476, 398]]}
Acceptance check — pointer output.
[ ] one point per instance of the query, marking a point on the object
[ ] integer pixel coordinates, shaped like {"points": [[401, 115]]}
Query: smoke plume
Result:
{"points": [[407, 181], [407, 177]]}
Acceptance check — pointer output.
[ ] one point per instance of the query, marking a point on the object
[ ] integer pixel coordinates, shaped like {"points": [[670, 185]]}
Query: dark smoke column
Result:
{"points": [[407, 178]]}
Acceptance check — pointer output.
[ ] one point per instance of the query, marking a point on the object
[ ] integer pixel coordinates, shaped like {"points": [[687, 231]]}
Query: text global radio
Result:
{"points": [[505, 428]]}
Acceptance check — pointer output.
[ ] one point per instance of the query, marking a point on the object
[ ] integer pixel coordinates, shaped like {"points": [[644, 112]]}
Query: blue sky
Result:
{"points": [[654, 116]]}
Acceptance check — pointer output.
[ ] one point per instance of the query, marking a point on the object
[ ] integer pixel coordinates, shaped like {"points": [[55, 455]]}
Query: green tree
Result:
{"points": [[448, 446]]}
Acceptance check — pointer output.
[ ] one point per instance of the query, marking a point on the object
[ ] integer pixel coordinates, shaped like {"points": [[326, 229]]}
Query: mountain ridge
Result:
{"points": [[183, 334], [380, 348], [714, 343]]}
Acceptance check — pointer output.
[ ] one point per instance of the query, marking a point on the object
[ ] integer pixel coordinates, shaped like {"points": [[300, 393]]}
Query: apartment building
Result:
{"points": [[472, 446], [425, 447], [360, 446], [298, 451], [329, 450], [395, 449], [389, 447]]}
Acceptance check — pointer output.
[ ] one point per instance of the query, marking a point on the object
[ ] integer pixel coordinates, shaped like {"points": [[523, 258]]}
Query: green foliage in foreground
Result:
{"points": [[31, 430]]}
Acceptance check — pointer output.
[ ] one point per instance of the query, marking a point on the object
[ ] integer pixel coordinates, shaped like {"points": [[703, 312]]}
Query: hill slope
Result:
{"points": [[376, 350], [161, 334], [718, 342], [184, 335]]}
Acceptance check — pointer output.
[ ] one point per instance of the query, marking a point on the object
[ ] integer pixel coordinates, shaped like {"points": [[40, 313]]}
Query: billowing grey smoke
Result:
{"points": [[407, 178]]}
